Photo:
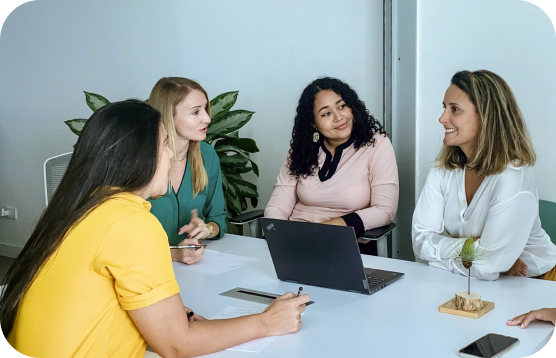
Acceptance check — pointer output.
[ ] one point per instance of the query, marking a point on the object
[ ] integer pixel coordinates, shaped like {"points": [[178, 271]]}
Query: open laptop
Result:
{"points": [[321, 255]]}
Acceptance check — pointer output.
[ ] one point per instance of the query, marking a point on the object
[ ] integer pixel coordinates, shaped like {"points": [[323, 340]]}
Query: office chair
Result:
{"points": [[547, 213], [54, 169], [251, 226]]}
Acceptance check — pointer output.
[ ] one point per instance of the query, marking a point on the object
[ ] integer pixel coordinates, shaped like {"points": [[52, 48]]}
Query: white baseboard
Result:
{"points": [[9, 250]]}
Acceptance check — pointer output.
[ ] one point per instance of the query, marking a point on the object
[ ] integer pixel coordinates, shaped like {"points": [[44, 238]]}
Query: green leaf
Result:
{"points": [[221, 104], [246, 144], [243, 202], [212, 137], [233, 160], [236, 170], [230, 122], [227, 186], [254, 202], [245, 188], [233, 203], [222, 149], [95, 101], [255, 167], [76, 125]]}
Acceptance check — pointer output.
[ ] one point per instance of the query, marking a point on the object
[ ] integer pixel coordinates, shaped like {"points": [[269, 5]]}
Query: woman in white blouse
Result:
{"points": [[482, 186]]}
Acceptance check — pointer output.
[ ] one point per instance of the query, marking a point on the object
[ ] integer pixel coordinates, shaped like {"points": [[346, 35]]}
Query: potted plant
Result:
{"points": [[223, 134]]}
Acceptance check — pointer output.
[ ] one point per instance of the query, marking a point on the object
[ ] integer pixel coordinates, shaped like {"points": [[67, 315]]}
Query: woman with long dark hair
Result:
{"points": [[95, 278], [341, 168], [483, 186]]}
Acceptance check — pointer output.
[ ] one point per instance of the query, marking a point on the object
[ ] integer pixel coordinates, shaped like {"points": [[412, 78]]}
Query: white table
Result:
{"points": [[401, 320]]}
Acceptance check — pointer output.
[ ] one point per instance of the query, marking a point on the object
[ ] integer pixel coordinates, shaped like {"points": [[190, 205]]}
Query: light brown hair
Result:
{"points": [[165, 96], [504, 137]]}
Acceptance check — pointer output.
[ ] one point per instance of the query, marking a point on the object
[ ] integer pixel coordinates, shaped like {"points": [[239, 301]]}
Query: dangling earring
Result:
{"points": [[316, 136]]}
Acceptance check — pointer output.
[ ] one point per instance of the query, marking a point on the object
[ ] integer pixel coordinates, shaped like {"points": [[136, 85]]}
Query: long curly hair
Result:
{"points": [[304, 152]]}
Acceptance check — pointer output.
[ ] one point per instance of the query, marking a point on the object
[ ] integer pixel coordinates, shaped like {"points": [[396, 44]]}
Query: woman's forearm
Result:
{"points": [[204, 337]]}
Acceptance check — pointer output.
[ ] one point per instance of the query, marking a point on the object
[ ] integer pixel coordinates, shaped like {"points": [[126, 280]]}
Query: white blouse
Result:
{"points": [[504, 213]]}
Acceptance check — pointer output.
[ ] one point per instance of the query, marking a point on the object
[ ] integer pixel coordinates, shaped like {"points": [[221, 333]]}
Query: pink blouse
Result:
{"points": [[365, 183]]}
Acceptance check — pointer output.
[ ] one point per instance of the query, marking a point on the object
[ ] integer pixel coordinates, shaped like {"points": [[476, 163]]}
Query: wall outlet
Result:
{"points": [[8, 213]]}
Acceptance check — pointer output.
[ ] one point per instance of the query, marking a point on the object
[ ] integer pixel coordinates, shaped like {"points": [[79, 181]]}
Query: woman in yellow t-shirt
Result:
{"points": [[95, 278]]}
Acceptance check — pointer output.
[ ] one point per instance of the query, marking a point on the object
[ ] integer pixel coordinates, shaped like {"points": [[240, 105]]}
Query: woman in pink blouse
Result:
{"points": [[341, 169]]}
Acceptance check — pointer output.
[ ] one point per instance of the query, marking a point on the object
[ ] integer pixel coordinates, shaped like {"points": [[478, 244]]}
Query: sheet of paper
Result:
{"points": [[215, 263], [254, 346]]}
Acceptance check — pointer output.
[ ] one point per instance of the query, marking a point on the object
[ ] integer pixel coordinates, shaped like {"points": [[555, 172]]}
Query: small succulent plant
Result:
{"points": [[468, 253]]}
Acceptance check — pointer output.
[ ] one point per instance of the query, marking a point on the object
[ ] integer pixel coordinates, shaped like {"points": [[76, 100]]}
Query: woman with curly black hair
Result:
{"points": [[341, 169]]}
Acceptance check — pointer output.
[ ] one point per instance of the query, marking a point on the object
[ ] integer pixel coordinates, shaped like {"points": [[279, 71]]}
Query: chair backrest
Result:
{"points": [[547, 213], [54, 169]]}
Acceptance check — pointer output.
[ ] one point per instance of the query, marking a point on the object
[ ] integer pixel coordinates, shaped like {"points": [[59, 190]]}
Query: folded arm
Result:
{"points": [[503, 237]]}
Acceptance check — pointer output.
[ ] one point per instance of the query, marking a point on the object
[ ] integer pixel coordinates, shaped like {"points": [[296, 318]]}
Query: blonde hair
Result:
{"points": [[504, 137], [165, 96]]}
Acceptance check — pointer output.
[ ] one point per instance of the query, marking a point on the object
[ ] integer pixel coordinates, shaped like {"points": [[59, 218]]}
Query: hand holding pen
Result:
{"points": [[192, 316], [191, 247], [283, 315], [189, 251]]}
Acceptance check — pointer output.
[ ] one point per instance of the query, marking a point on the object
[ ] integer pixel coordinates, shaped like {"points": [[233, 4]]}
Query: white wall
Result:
{"points": [[50, 51], [512, 38]]}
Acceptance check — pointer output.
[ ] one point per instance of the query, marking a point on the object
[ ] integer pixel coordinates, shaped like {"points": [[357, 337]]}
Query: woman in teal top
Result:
{"points": [[193, 208]]}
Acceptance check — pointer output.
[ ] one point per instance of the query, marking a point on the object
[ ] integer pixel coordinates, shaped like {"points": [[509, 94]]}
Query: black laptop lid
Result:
{"points": [[315, 254]]}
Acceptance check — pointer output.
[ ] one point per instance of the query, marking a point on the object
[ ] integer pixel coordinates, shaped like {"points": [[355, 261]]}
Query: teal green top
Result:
{"points": [[174, 210]]}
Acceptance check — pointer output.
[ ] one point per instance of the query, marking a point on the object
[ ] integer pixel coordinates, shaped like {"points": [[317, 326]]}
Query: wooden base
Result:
{"points": [[450, 308], [468, 301]]}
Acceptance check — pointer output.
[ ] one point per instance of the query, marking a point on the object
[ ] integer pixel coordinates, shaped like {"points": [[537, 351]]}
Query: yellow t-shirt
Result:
{"points": [[116, 259]]}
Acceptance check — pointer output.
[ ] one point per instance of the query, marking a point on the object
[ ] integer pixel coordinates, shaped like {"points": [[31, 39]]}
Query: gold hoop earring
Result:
{"points": [[316, 136]]}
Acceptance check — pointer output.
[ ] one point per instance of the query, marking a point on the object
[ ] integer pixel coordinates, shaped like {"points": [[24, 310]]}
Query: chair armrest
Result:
{"points": [[247, 217], [378, 232]]}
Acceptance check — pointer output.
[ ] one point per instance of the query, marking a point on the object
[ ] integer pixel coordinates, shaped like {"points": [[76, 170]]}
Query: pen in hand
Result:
{"points": [[192, 247], [299, 292]]}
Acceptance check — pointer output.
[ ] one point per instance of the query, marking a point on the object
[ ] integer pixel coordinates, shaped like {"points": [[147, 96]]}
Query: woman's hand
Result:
{"points": [[544, 314], [335, 221], [283, 315], [195, 316], [188, 256], [519, 269], [197, 229]]}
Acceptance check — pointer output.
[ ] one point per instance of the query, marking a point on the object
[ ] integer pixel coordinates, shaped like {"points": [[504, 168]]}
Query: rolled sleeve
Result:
{"points": [[135, 254]]}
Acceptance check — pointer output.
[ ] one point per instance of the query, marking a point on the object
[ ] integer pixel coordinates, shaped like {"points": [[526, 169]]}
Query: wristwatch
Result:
{"points": [[211, 229]]}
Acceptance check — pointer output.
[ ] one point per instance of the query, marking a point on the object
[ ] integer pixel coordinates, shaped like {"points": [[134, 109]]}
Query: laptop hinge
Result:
{"points": [[365, 284], [292, 281]]}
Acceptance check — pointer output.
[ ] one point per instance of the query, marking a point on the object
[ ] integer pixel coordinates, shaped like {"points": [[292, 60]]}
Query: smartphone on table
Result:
{"points": [[489, 346]]}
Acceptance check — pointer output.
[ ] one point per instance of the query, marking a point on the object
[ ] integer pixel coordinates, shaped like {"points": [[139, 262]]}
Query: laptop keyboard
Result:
{"points": [[374, 281]]}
